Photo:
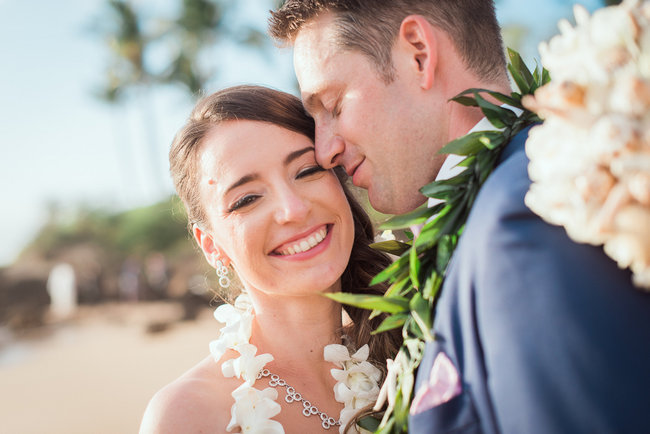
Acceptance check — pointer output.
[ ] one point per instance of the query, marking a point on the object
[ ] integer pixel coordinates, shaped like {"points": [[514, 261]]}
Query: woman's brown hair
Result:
{"points": [[262, 104]]}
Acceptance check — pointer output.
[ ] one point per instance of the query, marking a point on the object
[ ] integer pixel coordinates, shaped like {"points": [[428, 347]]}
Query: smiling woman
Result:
{"points": [[258, 202]]}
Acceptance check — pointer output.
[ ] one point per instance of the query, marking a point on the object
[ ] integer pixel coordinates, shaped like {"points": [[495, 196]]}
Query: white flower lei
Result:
{"points": [[357, 379], [590, 159]]}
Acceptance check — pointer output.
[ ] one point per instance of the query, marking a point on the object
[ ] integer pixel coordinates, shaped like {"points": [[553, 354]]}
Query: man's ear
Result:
{"points": [[210, 250], [418, 38]]}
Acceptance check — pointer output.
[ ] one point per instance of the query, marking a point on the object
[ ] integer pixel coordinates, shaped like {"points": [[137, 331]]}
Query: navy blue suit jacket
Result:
{"points": [[548, 336]]}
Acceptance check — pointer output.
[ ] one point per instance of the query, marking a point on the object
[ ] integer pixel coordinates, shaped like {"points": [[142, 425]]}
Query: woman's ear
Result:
{"points": [[417, 38], [211, 251]]}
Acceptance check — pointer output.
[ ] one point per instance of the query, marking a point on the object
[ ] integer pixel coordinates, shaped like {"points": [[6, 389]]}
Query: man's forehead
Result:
{"points": [[314, 55], [315, 44]]}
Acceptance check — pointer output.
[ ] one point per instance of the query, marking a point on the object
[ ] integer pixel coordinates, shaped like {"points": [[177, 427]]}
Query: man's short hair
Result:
{"points": [[371, 26]]}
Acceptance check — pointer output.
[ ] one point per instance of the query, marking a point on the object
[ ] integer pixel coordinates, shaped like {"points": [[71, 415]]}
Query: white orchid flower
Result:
{"points": [[247, 366], [253, 410], [388, 391], [357, 380], [336, 354], [237, 330]]}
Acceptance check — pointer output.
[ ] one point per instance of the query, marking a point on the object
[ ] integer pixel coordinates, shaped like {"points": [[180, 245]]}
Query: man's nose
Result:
{"points": [[329, 146]]}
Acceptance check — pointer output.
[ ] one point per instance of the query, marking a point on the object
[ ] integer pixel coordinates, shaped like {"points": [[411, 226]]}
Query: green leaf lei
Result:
{"points": [[416, 277]]}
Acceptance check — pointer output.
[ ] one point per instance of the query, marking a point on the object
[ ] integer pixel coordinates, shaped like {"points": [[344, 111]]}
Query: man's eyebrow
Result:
{"points": [[310, 101], [295, 154], [243, 180]]}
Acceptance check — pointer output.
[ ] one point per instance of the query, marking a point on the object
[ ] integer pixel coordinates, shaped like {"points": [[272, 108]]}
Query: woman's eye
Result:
{"points": [[310, 171], [244, 201]]}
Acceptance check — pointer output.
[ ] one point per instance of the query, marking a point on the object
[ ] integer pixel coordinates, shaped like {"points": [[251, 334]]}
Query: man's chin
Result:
{"points": [[398, 204]]}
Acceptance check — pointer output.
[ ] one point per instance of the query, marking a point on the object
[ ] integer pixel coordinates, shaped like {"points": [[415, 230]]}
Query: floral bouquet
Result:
{"points": [[590, 159]]}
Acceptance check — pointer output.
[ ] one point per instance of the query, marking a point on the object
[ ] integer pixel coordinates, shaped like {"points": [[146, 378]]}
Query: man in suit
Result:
{"points": [[534, 333]]}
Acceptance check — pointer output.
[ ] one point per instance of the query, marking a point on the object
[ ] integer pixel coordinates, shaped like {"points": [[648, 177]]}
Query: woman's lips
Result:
{"points": [[303, 244]]}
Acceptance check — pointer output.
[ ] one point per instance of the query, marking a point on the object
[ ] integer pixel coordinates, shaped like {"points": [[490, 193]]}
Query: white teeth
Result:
{"points": [[306, 244]]}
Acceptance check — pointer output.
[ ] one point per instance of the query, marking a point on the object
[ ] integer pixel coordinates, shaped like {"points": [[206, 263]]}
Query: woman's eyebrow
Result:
{"points": [[243, 180]]}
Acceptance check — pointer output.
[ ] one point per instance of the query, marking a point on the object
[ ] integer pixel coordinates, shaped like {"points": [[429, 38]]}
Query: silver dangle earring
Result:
{"points": [[222, 272]]}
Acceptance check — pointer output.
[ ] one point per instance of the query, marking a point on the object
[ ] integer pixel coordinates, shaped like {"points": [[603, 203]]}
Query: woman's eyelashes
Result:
{"points": [[309, 171], [244, 201]]}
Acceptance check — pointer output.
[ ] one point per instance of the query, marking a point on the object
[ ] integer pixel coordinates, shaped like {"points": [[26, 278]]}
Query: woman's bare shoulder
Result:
{"points": [[198, 401]]}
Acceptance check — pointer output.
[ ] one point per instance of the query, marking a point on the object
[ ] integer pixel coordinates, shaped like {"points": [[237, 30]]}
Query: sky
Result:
{"points": [[61, 145]]}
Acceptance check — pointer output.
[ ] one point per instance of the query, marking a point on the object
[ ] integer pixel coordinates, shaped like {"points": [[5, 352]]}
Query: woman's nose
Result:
{"points": [[329, 146], [292, 206]]}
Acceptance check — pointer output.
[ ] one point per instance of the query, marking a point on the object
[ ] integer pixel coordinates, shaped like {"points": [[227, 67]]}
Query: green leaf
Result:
{"points": [[439, 190], [465, 100], [374, 302], [394, 247], [486, 163], [447, 224], [542, 77], [466, 162], [467, 145], [414, 267], [369, 423], [498, 116], [421, 313], [510, 100], [416, 217], [391, 322], [391, 270], [445, 249], [519, 71], [397, 287], [459, 179], [431, 229], [505, 99], [431, 286], [492, 139], [537, 74]]}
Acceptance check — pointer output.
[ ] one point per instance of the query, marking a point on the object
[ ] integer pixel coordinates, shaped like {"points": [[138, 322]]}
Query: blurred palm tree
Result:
{"points": [[198, 26], [149, 51], [127, 70], [127, 44]]}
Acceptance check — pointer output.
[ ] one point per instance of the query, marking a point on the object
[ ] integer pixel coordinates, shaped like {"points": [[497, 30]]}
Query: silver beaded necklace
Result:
{"points": [[292, 396]]}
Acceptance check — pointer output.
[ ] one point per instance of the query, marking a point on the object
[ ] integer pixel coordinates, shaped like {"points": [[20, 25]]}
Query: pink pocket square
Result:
{"points": [[443, 385]]}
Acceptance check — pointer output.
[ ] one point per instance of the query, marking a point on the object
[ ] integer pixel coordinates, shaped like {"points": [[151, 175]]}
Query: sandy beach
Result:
{"points": [[96, 372]]}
